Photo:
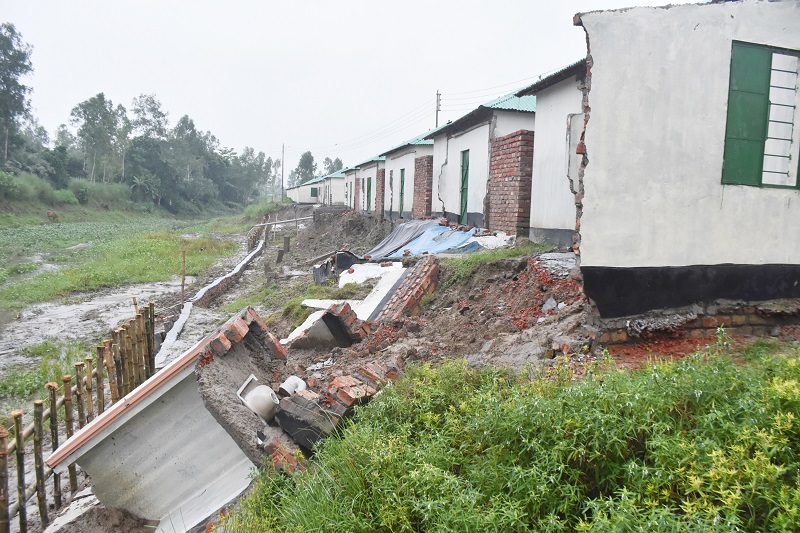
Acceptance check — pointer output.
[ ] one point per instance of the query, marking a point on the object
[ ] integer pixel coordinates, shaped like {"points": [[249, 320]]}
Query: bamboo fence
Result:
{"points": [[124, 361]]}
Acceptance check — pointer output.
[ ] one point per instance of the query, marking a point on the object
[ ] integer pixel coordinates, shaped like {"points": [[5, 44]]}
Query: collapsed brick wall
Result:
{"points": [[423, 186], [764, 318], [510, 181], [380, 192], [420, 280]]}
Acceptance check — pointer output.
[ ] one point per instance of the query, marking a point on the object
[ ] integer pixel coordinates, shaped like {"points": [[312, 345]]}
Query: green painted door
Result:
{"points": [[464, 185], [402, 190], [369, 195]]}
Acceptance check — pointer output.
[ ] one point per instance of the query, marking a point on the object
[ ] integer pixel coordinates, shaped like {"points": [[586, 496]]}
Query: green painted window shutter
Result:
{"points": [[313, 192], [748, 111], [402, 189], [369, 195]]}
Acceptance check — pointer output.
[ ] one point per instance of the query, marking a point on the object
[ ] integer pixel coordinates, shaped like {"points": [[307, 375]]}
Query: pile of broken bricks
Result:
{"points": [[309, 416]]}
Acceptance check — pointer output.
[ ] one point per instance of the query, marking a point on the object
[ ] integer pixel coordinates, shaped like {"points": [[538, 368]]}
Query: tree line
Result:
{"points": [[180, 167]]}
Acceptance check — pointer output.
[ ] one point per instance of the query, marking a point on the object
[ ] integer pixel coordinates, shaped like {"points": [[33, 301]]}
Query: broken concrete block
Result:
{"points": [[282, 459], [305, 420]]}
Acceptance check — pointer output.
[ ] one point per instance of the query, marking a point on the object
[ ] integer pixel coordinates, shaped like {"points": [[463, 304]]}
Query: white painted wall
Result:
{"points": [[334, 191], [302, 193], [447, 170], [552, 201], [350, 188], [655, 139], [402, 159], [447, 161], [363, 173]]}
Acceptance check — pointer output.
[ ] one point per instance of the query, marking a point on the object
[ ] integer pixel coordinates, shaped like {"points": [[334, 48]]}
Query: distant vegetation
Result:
{"points": [[705, 444]]}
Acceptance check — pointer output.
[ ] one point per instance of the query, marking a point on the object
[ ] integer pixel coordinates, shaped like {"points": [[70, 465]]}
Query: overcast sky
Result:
{"points": [[346, 79]]}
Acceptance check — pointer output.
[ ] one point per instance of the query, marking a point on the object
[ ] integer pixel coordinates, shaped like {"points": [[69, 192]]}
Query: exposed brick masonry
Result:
{"points": [[380, 188], [420, 280], [510, 179], [423, 186]]}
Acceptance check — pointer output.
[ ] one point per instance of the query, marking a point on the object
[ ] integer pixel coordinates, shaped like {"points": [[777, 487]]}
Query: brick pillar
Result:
{"points": [[357, 194], [423, 186], [380, 187], [510, 180]]}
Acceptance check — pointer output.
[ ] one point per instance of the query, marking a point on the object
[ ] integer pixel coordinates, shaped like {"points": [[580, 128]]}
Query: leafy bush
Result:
{"points": [[80, 188], [10, 188], [701, 444], [65, 197]]}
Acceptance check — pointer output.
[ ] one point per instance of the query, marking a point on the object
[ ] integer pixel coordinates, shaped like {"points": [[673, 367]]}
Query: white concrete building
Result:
{"points": [[323, 190], [400, 176], [461, 155], [690, 186], [366, 186], [559, 124]]}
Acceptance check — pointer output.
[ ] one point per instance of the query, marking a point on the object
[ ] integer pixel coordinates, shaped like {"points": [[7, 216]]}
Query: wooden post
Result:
{"points": [[38, 460], [115, 353], [108, 357], [141, 342], [69, 420], [53, 389], [183, 271], [280, 257], [23, 512], [148, 346], [101, 387], [4, 525], [134, 353], [286, 243], [89, 388], [135, 306], [79, 393], [125, 357], [152, 342]]}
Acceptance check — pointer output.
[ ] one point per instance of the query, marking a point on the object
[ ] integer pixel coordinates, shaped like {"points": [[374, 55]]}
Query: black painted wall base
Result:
{"points": [[621, 292]]}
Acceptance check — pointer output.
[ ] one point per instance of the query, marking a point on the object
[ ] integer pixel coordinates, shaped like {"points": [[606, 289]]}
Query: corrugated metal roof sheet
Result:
{"points": [[418, 140], [512, 102], [371, 160], [560, 75]]}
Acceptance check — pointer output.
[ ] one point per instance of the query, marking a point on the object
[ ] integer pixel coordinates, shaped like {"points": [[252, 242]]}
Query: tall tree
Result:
{"points": [[329, 167], [305, 169], [148, 117], [15, 62], [96, 120]]}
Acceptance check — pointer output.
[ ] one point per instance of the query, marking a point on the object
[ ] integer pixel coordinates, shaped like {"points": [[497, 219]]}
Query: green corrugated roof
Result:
{"points": [[418, 140], [371, 160], [512, 102]]}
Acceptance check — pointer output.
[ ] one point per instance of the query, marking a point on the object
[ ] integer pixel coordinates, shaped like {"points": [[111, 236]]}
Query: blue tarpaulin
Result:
{"points": [[434, 240]]}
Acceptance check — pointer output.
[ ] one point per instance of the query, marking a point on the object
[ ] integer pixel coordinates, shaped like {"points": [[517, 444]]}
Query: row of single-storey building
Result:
{"points": [[667, 158]]}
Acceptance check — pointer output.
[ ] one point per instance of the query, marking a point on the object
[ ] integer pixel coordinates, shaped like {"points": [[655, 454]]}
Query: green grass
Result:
{"points": [[289, 298], [56, 358], [463, 268], [703, 444], [132, 258]]}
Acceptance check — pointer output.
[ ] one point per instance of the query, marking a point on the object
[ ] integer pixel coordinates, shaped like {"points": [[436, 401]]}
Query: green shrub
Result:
{"points": [[10, 188], [65, 197], [80, 188], [702, 444]]}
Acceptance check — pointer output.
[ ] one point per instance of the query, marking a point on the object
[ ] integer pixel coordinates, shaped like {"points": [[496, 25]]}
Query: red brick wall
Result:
{"points": [[423, 186], [421, 279], [380, 188], [510, 179]]}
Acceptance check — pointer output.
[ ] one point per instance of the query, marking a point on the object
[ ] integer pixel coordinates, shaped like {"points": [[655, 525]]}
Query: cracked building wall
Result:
{"points": [[658, 227]]}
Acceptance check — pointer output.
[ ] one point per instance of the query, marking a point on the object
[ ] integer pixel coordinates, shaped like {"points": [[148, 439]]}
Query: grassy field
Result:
{"points": [[121, 247], [710, 443]]}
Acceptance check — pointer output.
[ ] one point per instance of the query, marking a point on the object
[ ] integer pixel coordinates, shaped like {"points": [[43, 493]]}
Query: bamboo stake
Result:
{"points": [[79, 393], [4, 522], [89, 388], [148, 342], [69, 427], [108, 358], [41, 495], [131, 363], [144, 364], [21, 500], [101, 386], [135, 306], [134, 353], [115, 339], [183, 271], [124, 359], [152, 342], [53, 389]]}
